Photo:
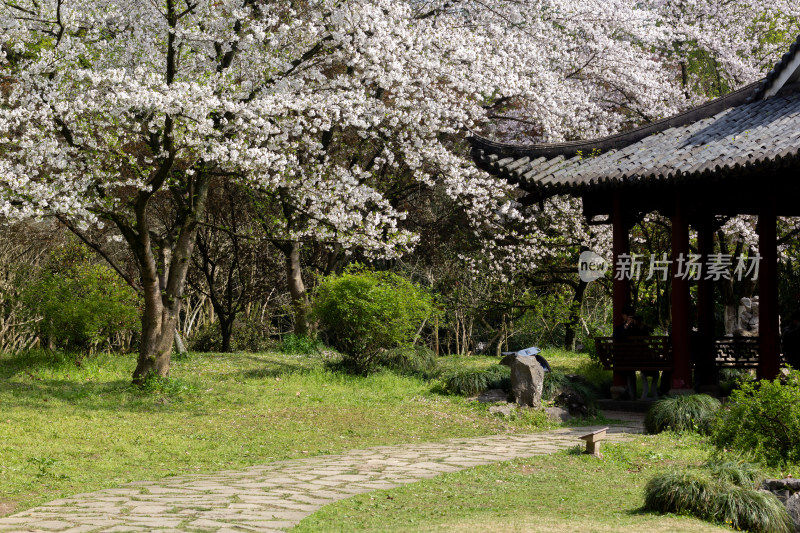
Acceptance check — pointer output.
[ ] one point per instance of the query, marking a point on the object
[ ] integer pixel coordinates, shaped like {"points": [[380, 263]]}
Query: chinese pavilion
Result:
{"points": [[739, 154]]}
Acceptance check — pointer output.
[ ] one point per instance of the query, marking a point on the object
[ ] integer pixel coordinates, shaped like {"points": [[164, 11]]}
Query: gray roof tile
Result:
{"points": [[739, 137], [733, 134]]}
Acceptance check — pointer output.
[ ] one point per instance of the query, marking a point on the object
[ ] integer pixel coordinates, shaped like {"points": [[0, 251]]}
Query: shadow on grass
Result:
{"points": [[277, 370], [271, 365], [116, 395], [96, 382], [24, 362]]}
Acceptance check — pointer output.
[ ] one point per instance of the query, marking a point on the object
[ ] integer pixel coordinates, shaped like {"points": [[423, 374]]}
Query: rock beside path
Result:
{"points": [[788, 492], [527, 379]]}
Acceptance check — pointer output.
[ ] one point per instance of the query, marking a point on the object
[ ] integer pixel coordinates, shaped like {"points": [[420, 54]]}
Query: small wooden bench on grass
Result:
{"points": [[593, 441]]}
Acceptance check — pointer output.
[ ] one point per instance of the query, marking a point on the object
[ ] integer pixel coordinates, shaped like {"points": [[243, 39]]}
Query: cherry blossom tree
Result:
{"points": [[121, 113]]}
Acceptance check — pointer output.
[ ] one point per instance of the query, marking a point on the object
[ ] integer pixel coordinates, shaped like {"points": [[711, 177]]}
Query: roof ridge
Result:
{"points": [[768, 87], [619, 140]]}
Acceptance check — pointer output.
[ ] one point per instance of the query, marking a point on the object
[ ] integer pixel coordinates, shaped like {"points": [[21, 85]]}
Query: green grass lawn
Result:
{"points": [[563, 492], [68, 427]]}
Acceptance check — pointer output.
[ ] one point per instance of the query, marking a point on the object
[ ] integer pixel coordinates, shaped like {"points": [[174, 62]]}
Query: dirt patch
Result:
{"points": [[7, 508]]}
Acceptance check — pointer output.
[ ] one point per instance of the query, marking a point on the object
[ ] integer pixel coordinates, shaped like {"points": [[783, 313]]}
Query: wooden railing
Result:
{"points": [[655, 353], [737, 352], [634, 353]]}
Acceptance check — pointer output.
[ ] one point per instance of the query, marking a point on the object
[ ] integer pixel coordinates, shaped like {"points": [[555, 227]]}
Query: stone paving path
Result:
{"points": [[276, 496]]}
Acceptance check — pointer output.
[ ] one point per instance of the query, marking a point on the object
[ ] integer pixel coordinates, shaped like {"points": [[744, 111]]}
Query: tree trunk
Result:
{"points": [[297, 290], [158, 331], [179, 345], [574, 316], [163, 292], [226, 329]]}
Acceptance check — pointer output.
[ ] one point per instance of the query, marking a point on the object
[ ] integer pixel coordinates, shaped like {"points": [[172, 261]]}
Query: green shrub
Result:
{"points": [[408, 359], [250, 336], [81, 304], [731, 499], [558, 387], [299, 344], [693, 412], [762, 419], [206, 338], [246, 336], [730, 378], [364, 312], [469, 381]]}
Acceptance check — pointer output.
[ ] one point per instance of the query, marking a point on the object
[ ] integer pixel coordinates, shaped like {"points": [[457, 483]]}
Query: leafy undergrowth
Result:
{"points": [[563, 492], [74, 424]]}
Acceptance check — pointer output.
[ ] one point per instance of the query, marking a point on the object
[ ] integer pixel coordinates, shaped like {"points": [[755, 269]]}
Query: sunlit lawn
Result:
{"points": [[68, 427], [563, 492]]}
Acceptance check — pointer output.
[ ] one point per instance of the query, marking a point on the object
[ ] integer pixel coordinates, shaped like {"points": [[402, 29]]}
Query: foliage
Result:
{"points": [[557, 383], [364, 312], [469, 382], [81, 303], [734, 471], [730, 378], [686, 412], [250, 335], [299, 344], [247, 336], [206, 338], [762, 419], [154, 384], [409, 359], [721, 494]]}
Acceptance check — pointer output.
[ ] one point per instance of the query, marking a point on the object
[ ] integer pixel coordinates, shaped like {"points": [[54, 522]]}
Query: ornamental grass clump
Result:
{"points": [[739, 473], [719, 492], [693, 412], [469, 382], [681, 491]]}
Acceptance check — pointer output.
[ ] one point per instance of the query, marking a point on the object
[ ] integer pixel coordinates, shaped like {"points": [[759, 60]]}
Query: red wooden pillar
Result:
{"points": [[707, 375], [768, 327], [681, 327], [620, 288]]}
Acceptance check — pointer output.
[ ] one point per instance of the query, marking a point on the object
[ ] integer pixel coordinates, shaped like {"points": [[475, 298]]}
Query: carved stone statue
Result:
{"points": [[748, 317]]}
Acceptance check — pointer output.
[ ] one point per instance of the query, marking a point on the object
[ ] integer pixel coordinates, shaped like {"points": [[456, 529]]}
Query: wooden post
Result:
{"points": [[768, 327], [620, 288], [707, 375], [681, 326]]}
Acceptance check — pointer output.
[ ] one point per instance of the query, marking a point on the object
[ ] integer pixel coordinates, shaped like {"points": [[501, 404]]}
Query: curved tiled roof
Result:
{"points": [[788, 60], [752, 128]]}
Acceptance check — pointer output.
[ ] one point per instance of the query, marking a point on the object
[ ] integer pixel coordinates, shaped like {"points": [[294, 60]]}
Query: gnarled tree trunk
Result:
{"points": [[163, 292]]}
